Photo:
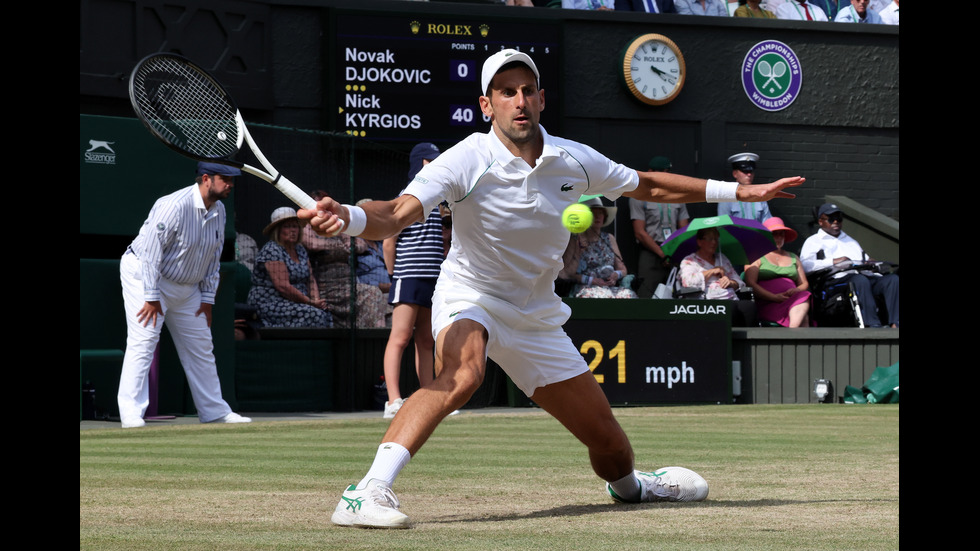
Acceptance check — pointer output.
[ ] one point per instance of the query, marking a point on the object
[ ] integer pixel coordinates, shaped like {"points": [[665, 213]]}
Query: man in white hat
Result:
{"points": [[743, 170], [495, 294], [169, 274]]}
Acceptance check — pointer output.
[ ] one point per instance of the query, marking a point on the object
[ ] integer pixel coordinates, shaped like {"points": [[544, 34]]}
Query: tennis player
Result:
{"points": [[495, 294]]}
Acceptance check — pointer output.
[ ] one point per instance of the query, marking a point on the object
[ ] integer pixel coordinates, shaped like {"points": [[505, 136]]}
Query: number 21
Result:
{"points": [[618, 352]]}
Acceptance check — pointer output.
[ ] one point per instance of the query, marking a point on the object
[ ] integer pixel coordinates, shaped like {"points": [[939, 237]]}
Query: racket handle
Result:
{"points": [[296, 195]]}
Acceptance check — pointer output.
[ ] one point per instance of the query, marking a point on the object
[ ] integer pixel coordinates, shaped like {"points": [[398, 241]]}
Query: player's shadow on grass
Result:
{"points": [[599, 508], [560, 511]]}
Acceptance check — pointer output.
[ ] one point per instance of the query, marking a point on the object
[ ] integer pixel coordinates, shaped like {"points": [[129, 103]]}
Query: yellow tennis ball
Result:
{"points": [[577, 217]]}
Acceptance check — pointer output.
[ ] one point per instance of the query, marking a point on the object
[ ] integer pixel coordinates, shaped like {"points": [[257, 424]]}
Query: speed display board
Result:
{"points": [[416, 77], [644, 351]]}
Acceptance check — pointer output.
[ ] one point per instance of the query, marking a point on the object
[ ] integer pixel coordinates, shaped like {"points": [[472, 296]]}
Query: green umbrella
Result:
{"points": [[743, 241]]}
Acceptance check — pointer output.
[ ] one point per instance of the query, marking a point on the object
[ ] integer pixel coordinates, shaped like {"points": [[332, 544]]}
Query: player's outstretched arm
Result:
{"points": [[666, 187], [383, 218]]}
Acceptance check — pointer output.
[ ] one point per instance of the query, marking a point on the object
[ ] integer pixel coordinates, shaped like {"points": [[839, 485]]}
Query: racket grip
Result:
{"points": [[296, 195]]}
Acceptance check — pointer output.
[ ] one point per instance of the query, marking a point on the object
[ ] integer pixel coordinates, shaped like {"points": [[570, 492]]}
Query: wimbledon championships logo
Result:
{"points": [[771, 75]]}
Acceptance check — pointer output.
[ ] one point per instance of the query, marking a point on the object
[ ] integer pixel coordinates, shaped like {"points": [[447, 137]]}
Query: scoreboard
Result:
{"points": [[416, 77]]}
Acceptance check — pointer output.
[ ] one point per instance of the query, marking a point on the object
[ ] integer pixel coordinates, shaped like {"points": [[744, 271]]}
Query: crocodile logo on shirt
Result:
{"points": [[567, 187]]}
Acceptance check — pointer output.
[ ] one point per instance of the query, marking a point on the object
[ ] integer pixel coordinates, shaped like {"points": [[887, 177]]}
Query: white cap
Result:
{"points": [[744, 158], [501, 58]]}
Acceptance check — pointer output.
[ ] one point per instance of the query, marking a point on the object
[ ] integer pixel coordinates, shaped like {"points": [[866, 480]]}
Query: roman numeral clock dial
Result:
{"points": [[653, 69]]}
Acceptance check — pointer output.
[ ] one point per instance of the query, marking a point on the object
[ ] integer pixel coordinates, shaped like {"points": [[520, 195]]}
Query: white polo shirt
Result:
{"points": [[508, 238], [832, 247]]}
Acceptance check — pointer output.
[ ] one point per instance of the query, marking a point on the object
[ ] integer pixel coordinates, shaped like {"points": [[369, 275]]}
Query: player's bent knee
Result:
{"points": [[459, 386], [468, 381]]}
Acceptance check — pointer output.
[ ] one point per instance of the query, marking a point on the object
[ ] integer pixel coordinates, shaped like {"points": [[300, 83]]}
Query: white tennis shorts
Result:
{"points": [[533, 354]]}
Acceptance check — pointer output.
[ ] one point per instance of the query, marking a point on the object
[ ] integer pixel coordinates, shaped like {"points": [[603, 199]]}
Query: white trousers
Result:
{"points": [[191, 336]]}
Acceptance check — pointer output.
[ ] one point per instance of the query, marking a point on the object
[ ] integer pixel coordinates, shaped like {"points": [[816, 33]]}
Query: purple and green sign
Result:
{"points": [[771, 75]]}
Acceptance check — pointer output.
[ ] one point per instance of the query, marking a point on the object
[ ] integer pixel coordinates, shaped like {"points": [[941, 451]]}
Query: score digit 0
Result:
{"points": [[618, 352]]}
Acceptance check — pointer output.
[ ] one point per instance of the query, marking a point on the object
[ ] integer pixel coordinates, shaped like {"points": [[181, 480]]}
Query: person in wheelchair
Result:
{"points": [[831, 257]]}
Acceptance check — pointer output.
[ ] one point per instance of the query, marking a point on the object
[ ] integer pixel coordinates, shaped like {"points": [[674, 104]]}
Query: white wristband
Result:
{"points": [[358, 220], [721, 192]]}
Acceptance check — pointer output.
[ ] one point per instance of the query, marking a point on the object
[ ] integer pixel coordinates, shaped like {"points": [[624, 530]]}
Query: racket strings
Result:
{"points": [[186, 108]]}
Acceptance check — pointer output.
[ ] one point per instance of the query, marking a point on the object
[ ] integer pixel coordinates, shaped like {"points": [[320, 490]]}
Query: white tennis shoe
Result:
{"points": [[391, 408], [232, 418], [374, 506], [669, 484]]}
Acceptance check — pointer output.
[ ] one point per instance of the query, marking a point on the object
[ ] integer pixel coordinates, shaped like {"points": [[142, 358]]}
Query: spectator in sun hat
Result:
{"points": [[283, 287], [592, 258], [778, 280]]}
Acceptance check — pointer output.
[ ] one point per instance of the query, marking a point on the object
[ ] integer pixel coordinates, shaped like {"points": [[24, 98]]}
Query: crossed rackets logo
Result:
{"points": [[771, 75]]}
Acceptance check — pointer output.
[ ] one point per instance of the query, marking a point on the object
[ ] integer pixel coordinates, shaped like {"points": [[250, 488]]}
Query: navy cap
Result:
{"points": [[424, 151], [827, 208], [215, 168]]}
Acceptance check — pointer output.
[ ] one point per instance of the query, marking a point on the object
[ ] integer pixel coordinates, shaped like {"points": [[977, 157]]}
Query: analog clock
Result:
{"points": [[653, 69]]}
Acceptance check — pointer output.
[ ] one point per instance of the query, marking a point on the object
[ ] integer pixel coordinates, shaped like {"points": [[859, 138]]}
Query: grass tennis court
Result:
{"points": [[814, 477]]}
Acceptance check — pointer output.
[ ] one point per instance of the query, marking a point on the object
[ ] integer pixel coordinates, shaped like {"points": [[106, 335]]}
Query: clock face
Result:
{"points": [[653, 69]]}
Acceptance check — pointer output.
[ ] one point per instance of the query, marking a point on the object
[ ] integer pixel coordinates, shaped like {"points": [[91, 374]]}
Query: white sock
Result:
{"points": [[389, 461], [627, 488]]}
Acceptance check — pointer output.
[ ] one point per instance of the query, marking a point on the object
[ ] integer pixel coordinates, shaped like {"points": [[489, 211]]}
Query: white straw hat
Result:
{"points": [[610, 211], [280, 215]]}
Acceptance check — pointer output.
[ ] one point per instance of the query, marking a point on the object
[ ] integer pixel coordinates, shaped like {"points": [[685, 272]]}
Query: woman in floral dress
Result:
{"points": [[283, 287], [592, 259]]}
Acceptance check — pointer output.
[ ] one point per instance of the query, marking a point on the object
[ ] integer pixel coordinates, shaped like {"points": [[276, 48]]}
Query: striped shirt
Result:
{"points": [[181, 241], [419, 252]]}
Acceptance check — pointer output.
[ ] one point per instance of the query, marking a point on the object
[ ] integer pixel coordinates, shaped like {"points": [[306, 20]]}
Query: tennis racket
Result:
{"points": [[190, 112]]}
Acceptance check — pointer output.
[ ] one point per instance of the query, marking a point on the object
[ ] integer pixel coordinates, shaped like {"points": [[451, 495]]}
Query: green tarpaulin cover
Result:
{"points": [[880, 388]]}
